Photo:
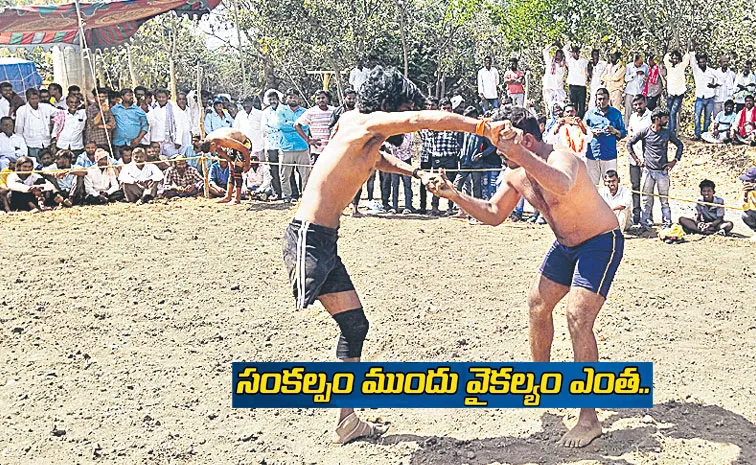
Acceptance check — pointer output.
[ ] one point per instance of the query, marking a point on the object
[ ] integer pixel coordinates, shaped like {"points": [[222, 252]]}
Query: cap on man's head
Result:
{"points": [[749, 175], [217, 100]]}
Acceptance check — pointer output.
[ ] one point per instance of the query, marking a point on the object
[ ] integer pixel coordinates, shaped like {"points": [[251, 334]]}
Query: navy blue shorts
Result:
{"points": [[591, 265], [313, 263]]}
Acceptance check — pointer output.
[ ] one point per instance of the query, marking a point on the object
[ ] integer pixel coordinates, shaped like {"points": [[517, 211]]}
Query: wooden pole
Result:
{"points": [[132, 74], [82, 48], [172, 61], [199, 101], [238, 38], [205, 175]]}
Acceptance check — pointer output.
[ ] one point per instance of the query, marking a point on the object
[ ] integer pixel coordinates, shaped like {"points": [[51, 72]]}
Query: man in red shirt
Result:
{"points": [[514, 79]]}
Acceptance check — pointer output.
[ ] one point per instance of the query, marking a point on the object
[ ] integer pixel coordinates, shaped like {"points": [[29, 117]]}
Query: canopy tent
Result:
{"points": [[105, 24], [21, 73]]}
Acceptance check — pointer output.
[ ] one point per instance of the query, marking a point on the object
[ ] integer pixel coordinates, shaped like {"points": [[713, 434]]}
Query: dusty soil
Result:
{"points": [[118, 326]]}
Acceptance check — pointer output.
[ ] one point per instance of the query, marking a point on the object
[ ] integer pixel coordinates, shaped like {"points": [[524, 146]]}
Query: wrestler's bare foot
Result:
{"points": [[224, 200], [581, 434], [237, 202], [352, 427]]}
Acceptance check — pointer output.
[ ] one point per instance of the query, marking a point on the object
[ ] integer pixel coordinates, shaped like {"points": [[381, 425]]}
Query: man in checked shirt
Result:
{"points": [[445, 155], [426, 135]]}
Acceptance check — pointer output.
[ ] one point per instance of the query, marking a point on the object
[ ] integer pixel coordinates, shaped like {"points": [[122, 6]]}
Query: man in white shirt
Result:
{"points": [[596, 70], [101, 182], [745, 85], [163, 128], [675, 64], [725, 84], [249, 122], [140, 180], [34, 123], [488, 85], [706, 84], [635, 76], [553, 77], [639, 120], [577, 75], [183, 117], [617, 197], [68, 127], [357, 76], [12, 146]]}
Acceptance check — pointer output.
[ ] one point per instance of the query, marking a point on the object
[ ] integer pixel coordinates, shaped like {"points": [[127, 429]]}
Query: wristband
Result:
{"points": [[480, 127], [414, 173]]}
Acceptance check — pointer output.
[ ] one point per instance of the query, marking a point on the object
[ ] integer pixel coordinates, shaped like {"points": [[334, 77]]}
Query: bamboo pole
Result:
{"points": [[205, 175], [172, 63], [82, 48]]}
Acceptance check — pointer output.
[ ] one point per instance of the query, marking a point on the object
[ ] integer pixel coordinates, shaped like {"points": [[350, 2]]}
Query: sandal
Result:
{"points": [[352, 428]]}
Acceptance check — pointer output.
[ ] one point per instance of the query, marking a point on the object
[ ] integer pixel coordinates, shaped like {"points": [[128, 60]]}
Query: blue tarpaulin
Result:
{"points": [[21, 73]]}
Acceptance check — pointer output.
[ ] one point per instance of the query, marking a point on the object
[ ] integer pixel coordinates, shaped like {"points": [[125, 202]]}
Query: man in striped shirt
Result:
{"points": [[317, 119]]}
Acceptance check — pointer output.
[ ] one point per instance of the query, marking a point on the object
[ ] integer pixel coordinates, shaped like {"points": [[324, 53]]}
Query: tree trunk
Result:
{"points": [[172, 64], [132, 74], [337, 70], [400, 12]]}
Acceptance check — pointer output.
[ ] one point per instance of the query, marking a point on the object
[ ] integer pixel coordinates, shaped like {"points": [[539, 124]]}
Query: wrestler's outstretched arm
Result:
{"points": [[492, 212]]}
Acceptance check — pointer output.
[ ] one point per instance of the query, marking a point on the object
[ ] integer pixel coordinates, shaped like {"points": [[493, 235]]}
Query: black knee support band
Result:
{"points": [[354, 327]]}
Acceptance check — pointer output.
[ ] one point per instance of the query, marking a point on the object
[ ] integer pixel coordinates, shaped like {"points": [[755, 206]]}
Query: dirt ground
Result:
{"points": [[118, 326]]}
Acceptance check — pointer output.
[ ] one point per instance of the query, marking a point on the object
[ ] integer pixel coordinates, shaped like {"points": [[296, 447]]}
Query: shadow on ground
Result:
{"points": [[684, 421]]}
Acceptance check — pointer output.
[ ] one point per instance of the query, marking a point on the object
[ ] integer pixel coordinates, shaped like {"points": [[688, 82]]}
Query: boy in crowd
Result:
{"points": [[618, 198], [219, 177], [709, 217]]}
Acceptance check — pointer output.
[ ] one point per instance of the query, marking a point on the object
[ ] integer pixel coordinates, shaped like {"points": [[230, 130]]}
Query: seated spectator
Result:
{"points": [[64, 181], [154, 157], [746, 115], [259, 180], [709, 218], [219, 177], [724, 129], [748, 135], [181, 180], [4, 189], [45, 159], [619, 198], [101, 182], [749, 200], [140, 180], [86, 159], [12, 145], [125, 159], [26, 188]]}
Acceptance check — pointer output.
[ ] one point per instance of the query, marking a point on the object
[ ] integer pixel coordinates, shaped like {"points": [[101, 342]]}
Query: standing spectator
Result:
{"points": [[316, 119], [608, 127], [349, 104], [272, 134], [140, 180], [709, 218], [577, 76], [357, 76], [249, 122], [34, 123], [101, 181], [553, 77], [163, 128], [745, 85], [404, 153], [181, 180], [749, 200], [639, 120], [131, 122], [218, 118], [706, 85], [473, 149], [12, 146], [68, 127], [183, 118], [570, 131], [426, 152], [652, 88], [635, 75], [596, 70], [10, 101], [140, 94], [618, 198], [675, 63], [445, 155], [294, 149], [75, 91], [219, 176], [725, 84], [514, 79], [614, 80], [656, 139], [746, 115], [56, 95], [724, 128], [488, 85], [100, 121]]}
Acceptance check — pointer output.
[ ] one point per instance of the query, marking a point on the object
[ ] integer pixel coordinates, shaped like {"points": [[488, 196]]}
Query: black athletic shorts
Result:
{"points": [[311, 258], [237, 178]]}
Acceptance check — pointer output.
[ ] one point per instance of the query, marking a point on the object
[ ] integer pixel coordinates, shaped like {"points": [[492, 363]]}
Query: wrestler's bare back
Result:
{"points": [[579, 215]]}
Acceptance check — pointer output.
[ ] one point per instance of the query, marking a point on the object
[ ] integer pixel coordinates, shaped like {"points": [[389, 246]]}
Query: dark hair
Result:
{"points": [[707, 183], [639, 98], [350, 91], [30, 92], [431, 101], [702, 56], [637, 56], [514, 59], [5, 84], [569, 104], [602, 91], [205, 147], [595, 50], [5, 118], [74, 88], [541, 119], [616, 55], [611, 174], [520, 117], [729, 102], [471, 112], [444, 101], [148, 93], [659, 113], [575, 48], [386, 89], [748, 97], [142, 88], [324, 92], [55, 85], [677, 54], [63, 153], [256, 102], [160, 90], [271, 93], [125, 91], [89, 142], [488, 57]]}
